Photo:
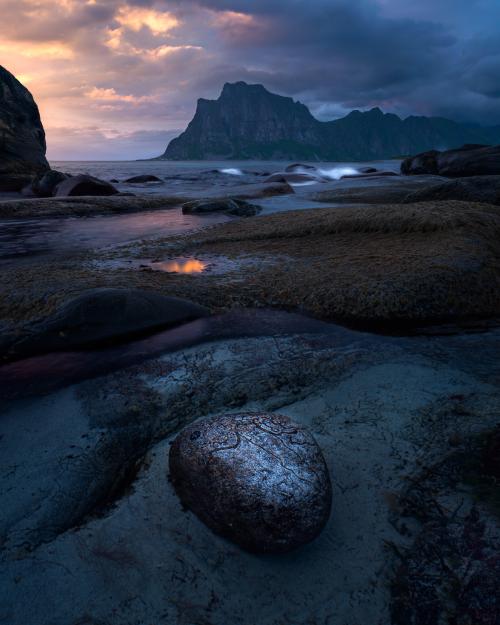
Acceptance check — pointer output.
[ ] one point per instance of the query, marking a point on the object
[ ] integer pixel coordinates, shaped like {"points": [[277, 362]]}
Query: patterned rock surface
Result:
{"points": [[258, 479]]}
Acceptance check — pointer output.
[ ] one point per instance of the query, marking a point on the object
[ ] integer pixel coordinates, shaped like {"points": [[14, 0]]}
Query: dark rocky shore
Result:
{"points": [[355, 342]]}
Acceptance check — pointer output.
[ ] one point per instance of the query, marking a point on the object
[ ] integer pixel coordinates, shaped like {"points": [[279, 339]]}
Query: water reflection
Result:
{"points": [[180, 265], [62, 235]]}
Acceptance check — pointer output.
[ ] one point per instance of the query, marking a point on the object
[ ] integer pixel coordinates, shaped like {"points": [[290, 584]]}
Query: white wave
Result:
{"points": [[336, 173], [232, 171]]}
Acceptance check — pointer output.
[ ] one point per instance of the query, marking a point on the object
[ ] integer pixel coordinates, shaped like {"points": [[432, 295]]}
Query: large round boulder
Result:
{"points": [[257, 479], [84, 185]]}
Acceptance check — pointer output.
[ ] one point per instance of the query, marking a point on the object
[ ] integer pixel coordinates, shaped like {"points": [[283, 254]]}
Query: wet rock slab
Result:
{"points": [[258, 479]]}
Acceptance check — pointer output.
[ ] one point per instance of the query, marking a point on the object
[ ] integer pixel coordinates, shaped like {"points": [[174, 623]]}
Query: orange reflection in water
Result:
{"points": [[190, 265]]}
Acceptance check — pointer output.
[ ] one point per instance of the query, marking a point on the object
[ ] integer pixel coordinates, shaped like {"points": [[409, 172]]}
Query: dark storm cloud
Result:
{"points": [[407, 57]]}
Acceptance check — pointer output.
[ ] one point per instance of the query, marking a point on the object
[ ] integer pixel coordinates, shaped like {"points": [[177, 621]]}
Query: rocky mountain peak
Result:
{"points": [[249, 122]]}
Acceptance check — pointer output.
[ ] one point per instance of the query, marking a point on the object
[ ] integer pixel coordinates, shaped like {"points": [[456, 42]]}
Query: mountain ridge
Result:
{"points": [[250, 122]]}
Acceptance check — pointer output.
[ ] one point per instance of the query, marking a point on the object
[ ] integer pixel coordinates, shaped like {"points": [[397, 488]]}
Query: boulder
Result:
{"points": [[84, 185], [22, 138], [469, 160], [143, 178], [368, 170], [43, 185], [99, 315], [473, 189], [230, 206], [257, 479], [294, 177]]}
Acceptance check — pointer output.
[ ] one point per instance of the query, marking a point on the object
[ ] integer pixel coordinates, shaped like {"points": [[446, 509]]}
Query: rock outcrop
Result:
{"points": [[469, 160], [472, 189], [22, 138], [249, 122]]}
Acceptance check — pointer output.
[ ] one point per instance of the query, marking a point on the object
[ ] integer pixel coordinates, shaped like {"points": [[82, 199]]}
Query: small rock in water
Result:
{"points": [[143, 178], [294, 177], [257, 479]]}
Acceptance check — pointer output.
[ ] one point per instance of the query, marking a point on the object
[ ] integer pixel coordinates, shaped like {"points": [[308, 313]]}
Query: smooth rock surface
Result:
{"points": [[258, 479], [79, 546]]}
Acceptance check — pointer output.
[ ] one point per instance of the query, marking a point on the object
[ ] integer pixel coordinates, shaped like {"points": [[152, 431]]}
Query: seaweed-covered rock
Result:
{"points": [[258, 479]]}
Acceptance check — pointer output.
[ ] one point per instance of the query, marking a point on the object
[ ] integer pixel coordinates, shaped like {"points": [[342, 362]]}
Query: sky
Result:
{"points": [[117, 79]]}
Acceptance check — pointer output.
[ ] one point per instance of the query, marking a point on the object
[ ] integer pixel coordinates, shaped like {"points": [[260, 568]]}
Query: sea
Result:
{"points": [[58, 235]]}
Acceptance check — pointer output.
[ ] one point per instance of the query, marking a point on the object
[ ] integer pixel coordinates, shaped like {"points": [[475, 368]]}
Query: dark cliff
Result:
{"points": [[22, 138], [249, 122]]}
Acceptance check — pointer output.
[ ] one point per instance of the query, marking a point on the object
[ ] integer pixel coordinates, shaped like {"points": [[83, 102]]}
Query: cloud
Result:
{"points": [[136, 66], [38, 50], [93, 143], [110, 95], [135, 18]]}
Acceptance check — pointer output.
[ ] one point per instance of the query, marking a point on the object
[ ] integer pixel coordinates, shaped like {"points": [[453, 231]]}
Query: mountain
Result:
{"points": [[249, 122], [22, 138]]}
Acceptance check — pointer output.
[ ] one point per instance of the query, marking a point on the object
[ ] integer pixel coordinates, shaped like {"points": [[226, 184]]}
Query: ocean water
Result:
{"points": [[49, 236], [180, 177]]}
